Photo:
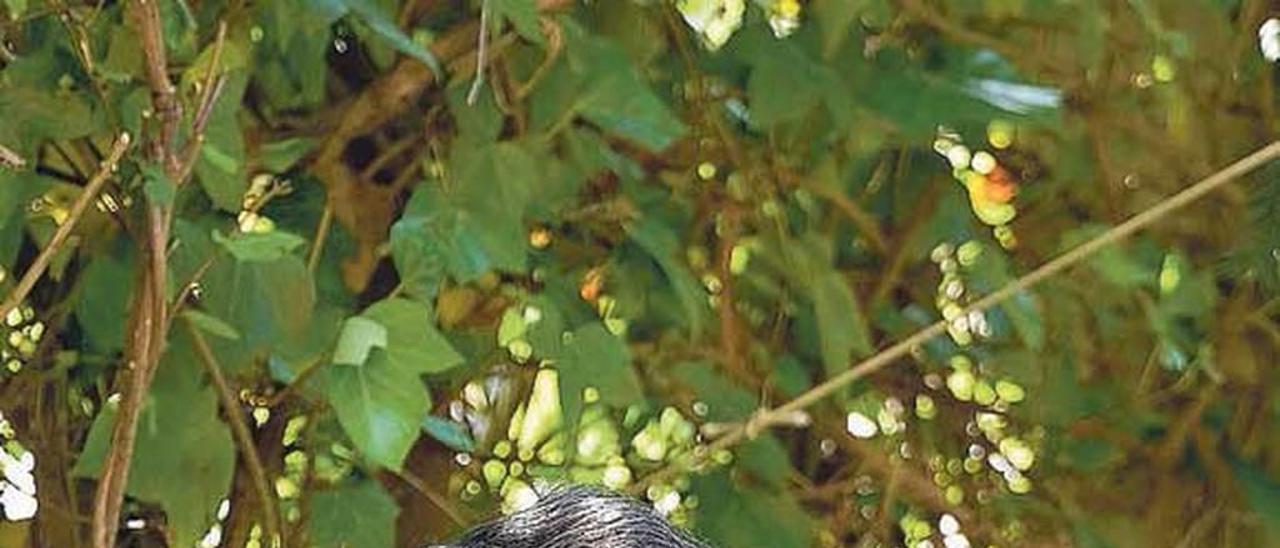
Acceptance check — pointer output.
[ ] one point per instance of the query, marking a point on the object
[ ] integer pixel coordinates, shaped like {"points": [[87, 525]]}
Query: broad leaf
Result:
{"points": [[179, 436], [380, 405], [412, 342], [354, 515]]}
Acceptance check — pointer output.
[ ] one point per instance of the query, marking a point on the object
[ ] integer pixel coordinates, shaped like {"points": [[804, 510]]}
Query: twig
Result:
{"points": [[11, 159], [148, 316], [322, 234], [240, 431], [866, 223], [180, 299], [296, 384], [481, 52], [766, 418], [87, 196], [555, 46], [431, 494]]}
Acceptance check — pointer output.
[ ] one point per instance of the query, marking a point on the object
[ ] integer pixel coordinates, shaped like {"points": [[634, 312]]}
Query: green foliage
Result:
{"points": [[356, 514], [649, 221], [180, 437]]}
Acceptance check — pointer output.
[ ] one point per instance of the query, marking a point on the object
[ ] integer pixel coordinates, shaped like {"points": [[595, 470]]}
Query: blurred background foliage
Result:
{"points": [[407, 291]]}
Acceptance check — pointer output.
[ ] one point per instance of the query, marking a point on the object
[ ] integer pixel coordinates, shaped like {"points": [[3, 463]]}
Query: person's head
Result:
{"points": [[579, 517]]}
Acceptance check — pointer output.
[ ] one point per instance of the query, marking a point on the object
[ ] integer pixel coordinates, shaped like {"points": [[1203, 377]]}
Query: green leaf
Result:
{"points": [[211, 324], [359, 336], [355, 515], [453, 435], [523, 16], [740, 515], [1263, 495], [834, 20], [661, 243], [267, 302], [593, 357], [842, 328], [221, 164], [726, 401], [478, 226], [418, 256], [767, 460], [382, 25], [157, 185], [281, 155], [604, 87], [1024, 314], [259, 247], [108, 283], [179, 436], [772, 103], [17, 8], [412, 341], [380, 405]]}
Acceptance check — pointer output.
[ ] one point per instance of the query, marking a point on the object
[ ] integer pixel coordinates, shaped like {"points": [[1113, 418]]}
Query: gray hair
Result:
{"points": [[579, 517]]}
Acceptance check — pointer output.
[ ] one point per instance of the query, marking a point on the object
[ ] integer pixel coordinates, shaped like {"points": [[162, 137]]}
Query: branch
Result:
{"points": [[481, 54], [148, 316], [11, 159], [439, 500], [767, 418], [240, 431], [87, 196]]}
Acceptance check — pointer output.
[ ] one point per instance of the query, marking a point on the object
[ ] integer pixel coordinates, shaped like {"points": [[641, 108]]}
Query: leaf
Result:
{"points": [[382, 25], [211, 324], [281, 155], [157, 185], [259, 247], [453, 435], [108, 283], [1024, 314], [179, 436], [612, 94], [359, 336], [663, 245], [380, 405], [17, 8], [834, 20], [474, 229], [221, 164], [412, 341], [726, 401], [419, 259], [593, 357], [771, 103], [270, 301], [356, 515], [523, 16], [842, 328], [737, 515], [1263, 495]]}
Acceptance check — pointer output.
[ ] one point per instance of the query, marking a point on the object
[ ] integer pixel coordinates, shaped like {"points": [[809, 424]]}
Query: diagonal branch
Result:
{"points": [[240, 431], [767, 418], [87, 196]]}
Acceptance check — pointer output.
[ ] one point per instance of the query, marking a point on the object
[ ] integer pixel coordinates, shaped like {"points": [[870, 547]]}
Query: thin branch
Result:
{"points": [[432, 495], [11, 159], [87, 196], [555, 46], [866, 222], [766, 418], [322, 234], [148, 316], [481, 54], [240, 431], [185, 291]]}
